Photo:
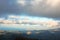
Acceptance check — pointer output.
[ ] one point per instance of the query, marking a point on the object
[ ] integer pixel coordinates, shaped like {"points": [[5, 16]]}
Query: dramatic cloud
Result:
{"points": [[29, 23], [10, 7], [26, 20], [47, 8]]}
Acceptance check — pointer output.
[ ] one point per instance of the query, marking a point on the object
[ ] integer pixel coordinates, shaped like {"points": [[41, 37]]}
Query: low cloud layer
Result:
{"points": [[46, 8], [26, 20]]}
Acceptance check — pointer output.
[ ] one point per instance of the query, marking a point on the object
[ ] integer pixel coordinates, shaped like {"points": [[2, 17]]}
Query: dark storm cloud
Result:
{"points": [[9, 7], [47, 8]]}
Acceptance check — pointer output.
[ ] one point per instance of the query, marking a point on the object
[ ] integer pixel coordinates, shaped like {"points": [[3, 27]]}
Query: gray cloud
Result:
{"points": [[44, 9], [10, 7], [47, 8]]}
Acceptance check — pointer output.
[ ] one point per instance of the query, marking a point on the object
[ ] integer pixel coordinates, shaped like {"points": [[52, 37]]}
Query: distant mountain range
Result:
{"points": [[52, 34]]}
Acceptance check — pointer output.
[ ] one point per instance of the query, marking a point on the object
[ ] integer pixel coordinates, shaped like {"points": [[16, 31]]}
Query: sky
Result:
{"points": [[49, 9], [45, 8], [28, 23]]}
